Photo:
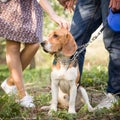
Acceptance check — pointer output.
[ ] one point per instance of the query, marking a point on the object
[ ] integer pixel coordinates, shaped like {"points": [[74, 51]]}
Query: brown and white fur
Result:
{"points": [[65, 75]]}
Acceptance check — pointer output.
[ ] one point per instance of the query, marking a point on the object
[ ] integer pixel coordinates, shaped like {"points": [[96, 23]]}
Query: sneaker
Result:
{"points": [[107, 102], [27, 101], [10, 90]]}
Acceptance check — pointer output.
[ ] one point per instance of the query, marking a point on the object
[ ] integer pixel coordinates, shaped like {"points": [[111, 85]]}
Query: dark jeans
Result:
{"points": [[84, 24]]}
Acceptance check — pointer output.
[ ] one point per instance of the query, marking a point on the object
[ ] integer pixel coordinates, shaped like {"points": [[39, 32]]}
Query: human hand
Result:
{"points": [[63, 2], [61, 22], [57, 19], [115, 5], [68, 4]]}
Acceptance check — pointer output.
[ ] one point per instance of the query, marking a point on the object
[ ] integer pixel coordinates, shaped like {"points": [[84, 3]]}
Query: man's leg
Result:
{"points": [[112, 44], [83, 23]]}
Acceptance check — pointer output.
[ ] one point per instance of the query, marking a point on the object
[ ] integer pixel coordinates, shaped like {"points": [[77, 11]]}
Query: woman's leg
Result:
{"points": [[26, 56], [15, 66], [28, 53]]}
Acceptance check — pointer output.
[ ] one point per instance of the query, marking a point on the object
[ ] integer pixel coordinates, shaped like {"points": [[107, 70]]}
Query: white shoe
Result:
{"points": [[10, 90], [107, 102], [27, 101]]}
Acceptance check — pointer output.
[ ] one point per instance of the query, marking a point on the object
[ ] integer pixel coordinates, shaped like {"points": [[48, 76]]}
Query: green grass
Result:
{"points": [[37, 83], [95, 77]]}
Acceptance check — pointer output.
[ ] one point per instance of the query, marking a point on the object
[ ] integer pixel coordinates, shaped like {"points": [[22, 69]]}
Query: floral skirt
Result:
{"points": [[21, 21]]}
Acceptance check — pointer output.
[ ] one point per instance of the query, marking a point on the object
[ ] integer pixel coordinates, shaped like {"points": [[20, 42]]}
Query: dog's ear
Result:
{"points": [[69, 45]]}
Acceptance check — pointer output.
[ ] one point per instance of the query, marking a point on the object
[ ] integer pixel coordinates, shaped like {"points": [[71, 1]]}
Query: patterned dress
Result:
{"points": [[21, 21]]}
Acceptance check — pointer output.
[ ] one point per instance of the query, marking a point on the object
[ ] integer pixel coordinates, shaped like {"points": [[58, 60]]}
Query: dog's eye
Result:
{"points": [[55, 35]]}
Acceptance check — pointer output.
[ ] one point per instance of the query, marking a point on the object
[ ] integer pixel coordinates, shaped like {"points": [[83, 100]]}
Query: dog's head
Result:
{"points": [[60, 40]]}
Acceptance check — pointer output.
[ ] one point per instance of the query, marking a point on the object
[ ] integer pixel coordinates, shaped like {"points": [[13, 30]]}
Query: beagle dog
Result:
{"points": [[65, 73]]}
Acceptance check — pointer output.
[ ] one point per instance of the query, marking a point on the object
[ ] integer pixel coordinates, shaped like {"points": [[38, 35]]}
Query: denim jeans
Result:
{"points": [[88, 16]]}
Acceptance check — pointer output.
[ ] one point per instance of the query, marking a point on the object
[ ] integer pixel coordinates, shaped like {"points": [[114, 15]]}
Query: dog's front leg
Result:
{"points": [[73, 93], [54, 89]]}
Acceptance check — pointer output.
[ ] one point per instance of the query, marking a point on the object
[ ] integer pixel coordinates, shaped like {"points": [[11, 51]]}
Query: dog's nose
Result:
{"points": [[43, 43]]}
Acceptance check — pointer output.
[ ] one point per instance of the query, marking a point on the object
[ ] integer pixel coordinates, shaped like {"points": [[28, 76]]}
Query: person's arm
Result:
{"points": [[115, 5], [59, 20]]}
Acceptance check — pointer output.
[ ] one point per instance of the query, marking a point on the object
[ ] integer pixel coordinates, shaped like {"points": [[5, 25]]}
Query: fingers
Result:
{"points": [[118, 6], [63, 2], [70, 5], [115, 5], [61, 21], [64, 24]]}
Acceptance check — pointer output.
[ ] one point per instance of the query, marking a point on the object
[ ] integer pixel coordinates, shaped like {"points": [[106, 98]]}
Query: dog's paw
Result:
{"points": [[90, 108], [71, 111], [51, 111], [53, 108]]}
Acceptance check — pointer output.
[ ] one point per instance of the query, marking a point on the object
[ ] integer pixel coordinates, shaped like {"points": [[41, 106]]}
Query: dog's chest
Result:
{"points": [[65, 77], [64, 73]]}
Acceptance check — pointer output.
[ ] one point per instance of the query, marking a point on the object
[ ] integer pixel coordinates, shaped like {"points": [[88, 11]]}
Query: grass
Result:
{"points": [[37, 83]]}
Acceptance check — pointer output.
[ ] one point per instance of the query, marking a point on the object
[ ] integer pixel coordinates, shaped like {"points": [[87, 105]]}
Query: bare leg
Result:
{"points": [[17, 61], [14, 65], [26, 56]]}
